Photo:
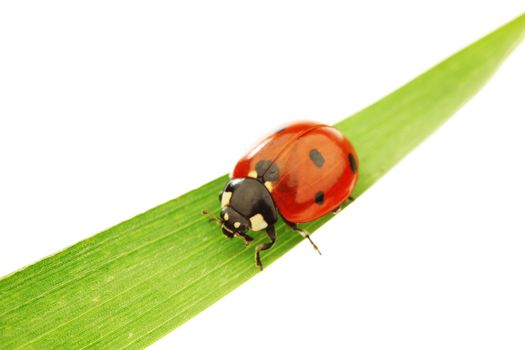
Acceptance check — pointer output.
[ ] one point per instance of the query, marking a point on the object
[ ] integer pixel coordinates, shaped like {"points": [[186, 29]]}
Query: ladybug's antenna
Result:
{"points": [[212, 217]]}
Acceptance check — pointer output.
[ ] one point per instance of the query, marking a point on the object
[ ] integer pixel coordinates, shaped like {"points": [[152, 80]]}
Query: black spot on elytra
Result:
{"points": [[352, 162], [319, 197], [267, 170], [316, 157]]}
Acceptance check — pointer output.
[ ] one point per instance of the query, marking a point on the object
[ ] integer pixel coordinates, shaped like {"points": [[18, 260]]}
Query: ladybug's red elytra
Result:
{"points": [[303, 171]]}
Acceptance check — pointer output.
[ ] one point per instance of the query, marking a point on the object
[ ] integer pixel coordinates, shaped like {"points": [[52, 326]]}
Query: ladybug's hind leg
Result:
{"points": [[270, 230], [303, 233], [339, 208]]}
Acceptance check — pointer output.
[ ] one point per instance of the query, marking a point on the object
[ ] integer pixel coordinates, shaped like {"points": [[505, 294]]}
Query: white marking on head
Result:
{"points": [[237, 224], [253, 174], [268, 185], [225, 199], [226, 217], [258, 223]]}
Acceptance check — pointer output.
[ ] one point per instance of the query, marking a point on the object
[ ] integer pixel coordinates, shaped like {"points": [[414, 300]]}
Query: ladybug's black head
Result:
{"points": [[233, 222], [246, 205]]}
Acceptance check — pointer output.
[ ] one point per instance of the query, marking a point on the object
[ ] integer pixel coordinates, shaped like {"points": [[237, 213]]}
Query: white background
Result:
{"points": [[110, 108]]}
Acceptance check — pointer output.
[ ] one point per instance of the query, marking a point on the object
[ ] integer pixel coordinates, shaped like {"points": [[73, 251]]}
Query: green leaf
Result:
{"points": [[132, 284]]}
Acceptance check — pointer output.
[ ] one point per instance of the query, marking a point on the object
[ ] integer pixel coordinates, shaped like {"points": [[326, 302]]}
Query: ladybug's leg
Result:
{"points": [[339, 208], [303, 233], [247, 239], [270, 230]]}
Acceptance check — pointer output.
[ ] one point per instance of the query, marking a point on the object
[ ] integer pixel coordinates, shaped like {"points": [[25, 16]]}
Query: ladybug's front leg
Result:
{"points": [[270, 230], [247, 239]]}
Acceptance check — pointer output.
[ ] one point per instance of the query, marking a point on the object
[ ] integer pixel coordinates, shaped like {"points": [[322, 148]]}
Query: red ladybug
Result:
{"points": [[303, 171]]}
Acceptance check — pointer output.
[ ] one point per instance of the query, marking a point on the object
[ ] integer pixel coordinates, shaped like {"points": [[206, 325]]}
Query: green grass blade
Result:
{"points": [[130, 285]]}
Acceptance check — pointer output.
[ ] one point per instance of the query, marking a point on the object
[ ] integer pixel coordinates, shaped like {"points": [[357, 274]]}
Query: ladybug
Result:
{"points": [[303, 171]]}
